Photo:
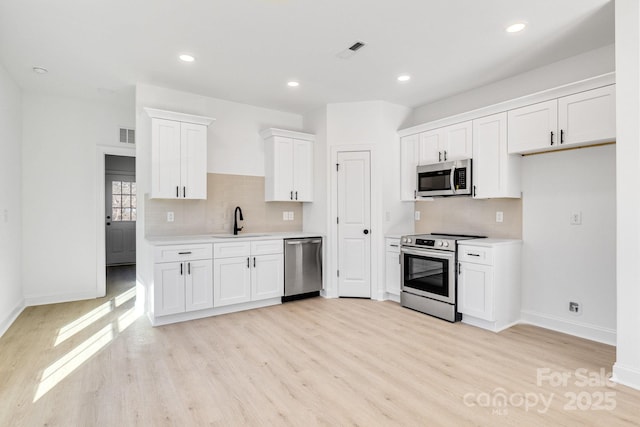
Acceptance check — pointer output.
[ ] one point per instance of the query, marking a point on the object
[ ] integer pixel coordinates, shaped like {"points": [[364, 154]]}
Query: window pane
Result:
{"points": [[126, 187], [126, 201], [115, 187], [134, 215], [133, 188], [134, 202], [116, 215], [126, 214], [116, 201]]}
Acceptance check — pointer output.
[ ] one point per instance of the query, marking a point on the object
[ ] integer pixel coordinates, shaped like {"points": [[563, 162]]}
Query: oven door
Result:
{"points": [[430, 274]]}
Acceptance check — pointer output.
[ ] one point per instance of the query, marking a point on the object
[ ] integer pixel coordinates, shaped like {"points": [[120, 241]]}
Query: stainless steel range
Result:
{"points": [[429, 274]]}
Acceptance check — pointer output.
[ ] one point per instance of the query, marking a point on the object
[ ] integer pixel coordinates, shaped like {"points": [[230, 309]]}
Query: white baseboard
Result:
{"points": [[391, 297], [31, 300], [6, 323], [571, 327], [626, 375]]}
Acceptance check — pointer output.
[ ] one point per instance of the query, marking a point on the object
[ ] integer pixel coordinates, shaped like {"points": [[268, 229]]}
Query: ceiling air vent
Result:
{"points": [[351, 50], [127, 136]]}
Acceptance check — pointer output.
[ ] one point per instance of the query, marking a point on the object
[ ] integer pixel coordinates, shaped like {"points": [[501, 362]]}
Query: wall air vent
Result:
{"points": [[127, 136], [351, 50]]}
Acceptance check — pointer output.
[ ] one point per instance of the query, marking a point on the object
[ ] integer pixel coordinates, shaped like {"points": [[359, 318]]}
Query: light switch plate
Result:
{"points": [[499, 216]]}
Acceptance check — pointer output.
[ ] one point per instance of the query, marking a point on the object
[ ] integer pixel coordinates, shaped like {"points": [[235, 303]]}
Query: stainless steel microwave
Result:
{"points": [[444, 179]]}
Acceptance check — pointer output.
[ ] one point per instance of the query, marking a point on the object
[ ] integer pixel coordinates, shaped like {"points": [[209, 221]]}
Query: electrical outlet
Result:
{"points": [[291, 217], [170, 217], [285, 216], [499, 216], [574, 307], [416, 215], [576, 218]]}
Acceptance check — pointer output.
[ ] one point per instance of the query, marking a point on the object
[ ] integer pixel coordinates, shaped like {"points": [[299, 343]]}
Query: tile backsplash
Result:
{"points": [[464, 215], [215, 215]]}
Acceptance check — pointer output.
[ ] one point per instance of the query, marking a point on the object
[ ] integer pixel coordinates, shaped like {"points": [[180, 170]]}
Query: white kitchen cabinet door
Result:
{"points": [[193, 175], [267, 277], [231, 281], [457, 142], [303, 170], [165, 159], [476, 291], [198, 285], [431, 147], [279, 169], [409, 157], [533, 128], [168, 289], [496, 173], [588, 117], [392, 266]]}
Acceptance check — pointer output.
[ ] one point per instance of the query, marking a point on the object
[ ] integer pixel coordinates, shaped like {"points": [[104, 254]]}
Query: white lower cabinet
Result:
{"points": [[392, 266], [247, 271], [489, 283], [183, 279]]}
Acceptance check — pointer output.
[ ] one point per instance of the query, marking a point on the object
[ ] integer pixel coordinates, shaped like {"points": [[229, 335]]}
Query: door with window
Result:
{"points": [[121, 202]]}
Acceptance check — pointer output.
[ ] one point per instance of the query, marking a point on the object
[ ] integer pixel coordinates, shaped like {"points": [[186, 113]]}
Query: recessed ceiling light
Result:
{"points": [[404, 78], [186, 58], [40, 70], [516, 28], [293, 84]]}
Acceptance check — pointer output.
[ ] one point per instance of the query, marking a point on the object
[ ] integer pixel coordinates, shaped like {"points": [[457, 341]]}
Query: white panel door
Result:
{"points": [[198, 285], [431, 144], [267, 277], [193, 169], [231, 281], [354, 219], [165, 159], [588, 116], [303, 170], [409, 157], [475, 290], [168, 292], [120, 219], [534, 127], [458, 142], [282, 168]]}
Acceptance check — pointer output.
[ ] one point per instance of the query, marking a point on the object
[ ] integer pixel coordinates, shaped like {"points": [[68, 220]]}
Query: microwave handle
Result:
{"points": [[451, 179]]}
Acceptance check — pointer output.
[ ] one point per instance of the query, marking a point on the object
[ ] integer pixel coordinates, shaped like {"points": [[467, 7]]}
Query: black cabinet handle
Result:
{"points": [[184, 191], [551, 137], [561, 136], [181, 269], [184, 253], [248, 263], [445, 155], [296, 195], [177, 191], [439, 156], [189, 268], [474, 191], [254, 262], [291, 195]]}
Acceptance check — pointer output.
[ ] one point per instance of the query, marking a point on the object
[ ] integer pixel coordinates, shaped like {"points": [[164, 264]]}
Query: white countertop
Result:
{"points": [[489, 242], [216, 237]]}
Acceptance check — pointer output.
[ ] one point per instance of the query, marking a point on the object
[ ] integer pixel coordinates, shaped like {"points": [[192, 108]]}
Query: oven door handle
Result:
{"points": [[451, 178], [422, 252]]}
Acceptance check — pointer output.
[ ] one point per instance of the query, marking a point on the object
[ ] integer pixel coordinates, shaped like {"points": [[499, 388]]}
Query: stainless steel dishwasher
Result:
{"points": [[302, 268]]}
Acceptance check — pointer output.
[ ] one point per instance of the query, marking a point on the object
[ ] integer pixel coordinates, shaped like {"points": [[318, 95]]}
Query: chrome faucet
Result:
{"points": [[235, 220]]}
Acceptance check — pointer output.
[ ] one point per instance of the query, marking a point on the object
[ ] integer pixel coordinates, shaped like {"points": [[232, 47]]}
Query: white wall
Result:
{"points": [[563, 262], [627, 366], [374, 125], [59, 153], [11, 296], [580, 67]]}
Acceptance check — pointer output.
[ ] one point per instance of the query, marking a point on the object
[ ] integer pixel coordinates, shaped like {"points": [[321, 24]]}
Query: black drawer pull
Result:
{"points": [[184, 253]]}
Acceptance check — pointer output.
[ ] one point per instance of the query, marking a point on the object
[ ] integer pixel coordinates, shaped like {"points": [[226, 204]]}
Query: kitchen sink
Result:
{"points": [[232, 236]]}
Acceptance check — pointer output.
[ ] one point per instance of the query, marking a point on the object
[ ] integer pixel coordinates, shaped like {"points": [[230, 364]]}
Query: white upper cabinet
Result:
{"points": [[409, 156], [496, 173], [288, 165], [446, 144], [584, 118], [178, 155]]}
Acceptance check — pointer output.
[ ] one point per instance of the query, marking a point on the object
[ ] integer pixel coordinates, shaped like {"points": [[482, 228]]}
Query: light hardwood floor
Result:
{"points": [[311, 362]]}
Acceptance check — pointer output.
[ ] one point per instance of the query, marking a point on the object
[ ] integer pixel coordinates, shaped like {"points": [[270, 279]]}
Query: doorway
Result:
{"points": [[354, 223], [120, 215]]}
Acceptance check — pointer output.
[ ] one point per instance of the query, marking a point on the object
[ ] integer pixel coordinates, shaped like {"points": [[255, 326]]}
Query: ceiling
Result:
{"points": [[247, 50]]}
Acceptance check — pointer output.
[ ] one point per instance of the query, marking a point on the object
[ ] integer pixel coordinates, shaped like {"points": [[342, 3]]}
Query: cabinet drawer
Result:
{"points": [[230, 250], [174, 253], [264, 247], [475, 254], [392, 245]]}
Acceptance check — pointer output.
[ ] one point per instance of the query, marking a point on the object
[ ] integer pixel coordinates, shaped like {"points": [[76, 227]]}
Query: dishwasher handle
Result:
{"points": [[300, 242]]}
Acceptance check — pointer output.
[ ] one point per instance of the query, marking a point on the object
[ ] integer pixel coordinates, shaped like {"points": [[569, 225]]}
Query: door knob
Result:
{"points": [[366, 231]]}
